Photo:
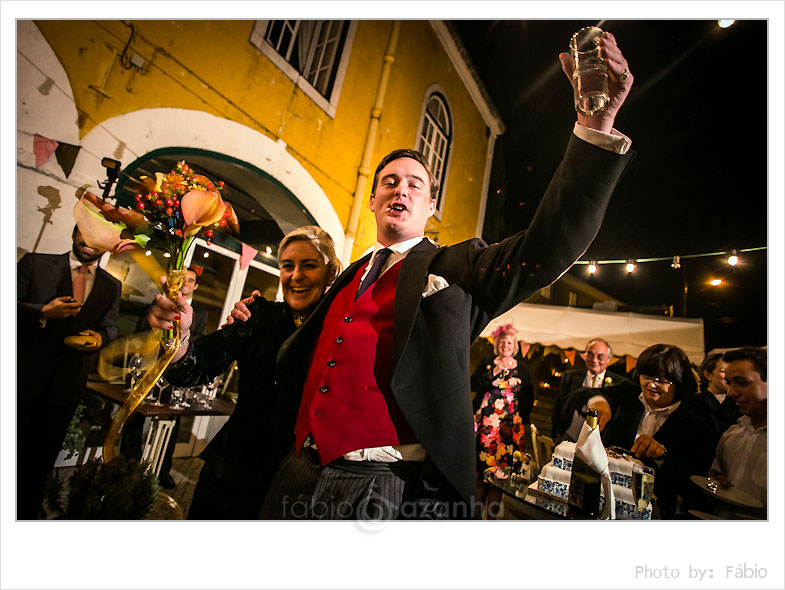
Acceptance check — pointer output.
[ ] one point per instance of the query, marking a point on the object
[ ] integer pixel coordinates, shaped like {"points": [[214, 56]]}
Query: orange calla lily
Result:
{"points": [[201, 208], [133, 220], [98, 232]]}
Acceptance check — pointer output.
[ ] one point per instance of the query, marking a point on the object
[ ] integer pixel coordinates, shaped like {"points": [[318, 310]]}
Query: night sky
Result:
{"points": [[697, 119]]}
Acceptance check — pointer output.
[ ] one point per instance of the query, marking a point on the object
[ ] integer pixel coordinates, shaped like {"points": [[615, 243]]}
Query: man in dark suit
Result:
{"points": [[58, 296], [567, 421], [376, 380], [131, 441]]}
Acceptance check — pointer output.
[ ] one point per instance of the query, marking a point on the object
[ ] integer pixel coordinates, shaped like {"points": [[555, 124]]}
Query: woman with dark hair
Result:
{"points": [[660, 419], [631, 414]]}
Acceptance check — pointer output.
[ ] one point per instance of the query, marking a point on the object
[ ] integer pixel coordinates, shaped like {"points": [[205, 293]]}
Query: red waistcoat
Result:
{"points": [[347, 402]]}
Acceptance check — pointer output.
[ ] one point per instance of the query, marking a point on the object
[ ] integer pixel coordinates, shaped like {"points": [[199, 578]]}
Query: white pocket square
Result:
{"points": [[435, 284]]}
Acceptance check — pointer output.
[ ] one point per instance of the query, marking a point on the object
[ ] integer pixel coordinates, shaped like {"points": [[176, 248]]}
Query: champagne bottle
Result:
{"points": [[585, 483]]}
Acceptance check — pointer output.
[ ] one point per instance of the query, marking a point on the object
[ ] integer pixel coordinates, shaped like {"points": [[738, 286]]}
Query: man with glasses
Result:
{"points": [[567, 420]]}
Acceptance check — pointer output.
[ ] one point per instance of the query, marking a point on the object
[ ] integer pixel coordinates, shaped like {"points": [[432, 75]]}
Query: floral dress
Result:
{"points": [[498, 426]]}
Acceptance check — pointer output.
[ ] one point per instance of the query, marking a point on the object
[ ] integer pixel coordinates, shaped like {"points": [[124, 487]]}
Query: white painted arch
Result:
{"points": [[128, 137]]}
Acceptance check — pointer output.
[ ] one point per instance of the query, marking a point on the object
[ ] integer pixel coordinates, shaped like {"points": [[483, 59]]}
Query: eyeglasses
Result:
{"points": [[661, 381], [599, 357]]}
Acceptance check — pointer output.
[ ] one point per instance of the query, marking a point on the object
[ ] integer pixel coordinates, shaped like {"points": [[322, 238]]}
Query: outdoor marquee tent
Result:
{"points": [[627, 333]]}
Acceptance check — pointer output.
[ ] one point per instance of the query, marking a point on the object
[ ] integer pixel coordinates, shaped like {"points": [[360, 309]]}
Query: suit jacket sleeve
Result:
{"points": [[27, 313], [568, 218], [108, 324], [526, 394]]}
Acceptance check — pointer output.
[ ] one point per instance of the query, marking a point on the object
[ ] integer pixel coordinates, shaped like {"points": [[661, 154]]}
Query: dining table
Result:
{"points": [[162, 417]]}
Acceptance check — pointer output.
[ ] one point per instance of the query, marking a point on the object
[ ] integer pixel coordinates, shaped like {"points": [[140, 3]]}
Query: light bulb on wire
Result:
{"points": [[630, 265], [592, 267], [733, 259]]}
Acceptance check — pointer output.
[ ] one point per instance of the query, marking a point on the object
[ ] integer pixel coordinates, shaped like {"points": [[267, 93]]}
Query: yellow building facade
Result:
{"points": [[137, 91]]}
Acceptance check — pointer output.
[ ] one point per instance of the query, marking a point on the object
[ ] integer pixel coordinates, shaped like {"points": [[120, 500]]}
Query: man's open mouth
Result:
{"points": [[398, 207]]}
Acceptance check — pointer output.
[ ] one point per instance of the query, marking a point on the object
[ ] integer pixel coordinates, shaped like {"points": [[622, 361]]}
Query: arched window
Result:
{"points": [[435, 138]]}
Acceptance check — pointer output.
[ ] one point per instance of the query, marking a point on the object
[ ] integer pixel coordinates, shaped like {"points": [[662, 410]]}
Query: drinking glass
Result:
{"points": [[178, 397], [590, 77], [642, 486], [134, 370]]}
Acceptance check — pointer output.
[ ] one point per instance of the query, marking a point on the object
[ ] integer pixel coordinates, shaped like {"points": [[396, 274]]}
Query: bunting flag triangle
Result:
{"points": [[66, 156], [247, 255], [570, 354], [525, 346], [43, 148], [631, 362]]}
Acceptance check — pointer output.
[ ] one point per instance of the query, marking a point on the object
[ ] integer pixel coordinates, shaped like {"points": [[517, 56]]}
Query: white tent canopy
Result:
{"points": [[627, 333]]}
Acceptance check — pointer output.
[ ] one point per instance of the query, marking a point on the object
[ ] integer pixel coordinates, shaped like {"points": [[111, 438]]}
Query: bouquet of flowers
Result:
{"points": [[175, 208]]}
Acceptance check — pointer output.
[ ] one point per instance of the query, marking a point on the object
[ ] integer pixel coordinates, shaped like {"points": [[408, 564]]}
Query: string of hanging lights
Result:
{"points": [[632, 263]]}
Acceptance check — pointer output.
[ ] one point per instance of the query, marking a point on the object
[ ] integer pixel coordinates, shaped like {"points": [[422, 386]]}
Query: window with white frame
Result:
{"points": [[434, 140], [312, 53]]}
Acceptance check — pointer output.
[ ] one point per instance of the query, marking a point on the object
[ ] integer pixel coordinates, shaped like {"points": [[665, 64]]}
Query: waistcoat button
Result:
{"points": [[338, 340], [347, 319], [330, 363], [323, 389]]}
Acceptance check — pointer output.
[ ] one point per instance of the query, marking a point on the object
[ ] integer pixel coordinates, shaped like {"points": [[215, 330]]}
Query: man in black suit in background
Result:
{"points": [[58, 295], [131, 441], [597, 355]]}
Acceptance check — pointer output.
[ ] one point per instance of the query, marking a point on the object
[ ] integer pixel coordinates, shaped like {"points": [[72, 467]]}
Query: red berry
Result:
{"points": [[176, 203], [221, 183], [159, 203], [209, 242], [222, 222], [140, 205], [169, 202], [138, 198], [227, 213], [169, 210], [148, 197], [209, 233], [178, 232]]}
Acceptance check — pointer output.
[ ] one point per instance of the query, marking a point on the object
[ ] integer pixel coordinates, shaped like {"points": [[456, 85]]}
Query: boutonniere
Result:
{"points": [[607, 381]]}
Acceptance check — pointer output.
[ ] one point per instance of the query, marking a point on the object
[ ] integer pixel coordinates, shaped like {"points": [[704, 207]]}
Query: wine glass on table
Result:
{"points": [[134, 370], [642, 486], [160, 385]]}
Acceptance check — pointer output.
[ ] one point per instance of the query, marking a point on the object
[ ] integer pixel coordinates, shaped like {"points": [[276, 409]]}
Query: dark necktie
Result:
{"points": [[80, 283], [376, 269]]}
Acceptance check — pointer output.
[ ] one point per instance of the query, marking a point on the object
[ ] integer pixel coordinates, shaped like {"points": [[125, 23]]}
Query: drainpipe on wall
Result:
{"points": [[370, 138]]}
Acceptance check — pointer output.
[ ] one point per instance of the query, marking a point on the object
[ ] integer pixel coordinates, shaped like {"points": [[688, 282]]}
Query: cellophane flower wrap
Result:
{"points": [[175, 208]]}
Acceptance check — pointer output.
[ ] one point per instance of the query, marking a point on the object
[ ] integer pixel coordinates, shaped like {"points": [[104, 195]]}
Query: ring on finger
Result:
{"points": [[623, 75]]}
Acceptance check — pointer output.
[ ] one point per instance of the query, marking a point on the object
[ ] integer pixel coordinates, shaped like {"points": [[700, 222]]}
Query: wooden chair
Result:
{"points": [[542, 447]]}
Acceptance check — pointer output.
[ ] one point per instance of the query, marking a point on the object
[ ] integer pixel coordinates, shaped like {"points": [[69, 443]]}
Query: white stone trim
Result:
{"points": [[151, 129], [486, 181], [494, 123]]}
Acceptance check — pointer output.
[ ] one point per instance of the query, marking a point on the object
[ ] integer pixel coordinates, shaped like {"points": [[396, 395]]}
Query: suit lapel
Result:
{"points": [[61, 276], [408, 293], [308, 332]]}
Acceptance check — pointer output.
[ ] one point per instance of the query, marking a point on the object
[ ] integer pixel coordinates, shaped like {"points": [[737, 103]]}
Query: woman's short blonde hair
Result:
{"points": [[320, 240], [507, 330]]}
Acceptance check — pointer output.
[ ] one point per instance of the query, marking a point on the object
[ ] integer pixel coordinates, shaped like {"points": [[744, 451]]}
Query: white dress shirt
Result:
{"points": [[653, 418], [592, 380], [741, 458]]}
